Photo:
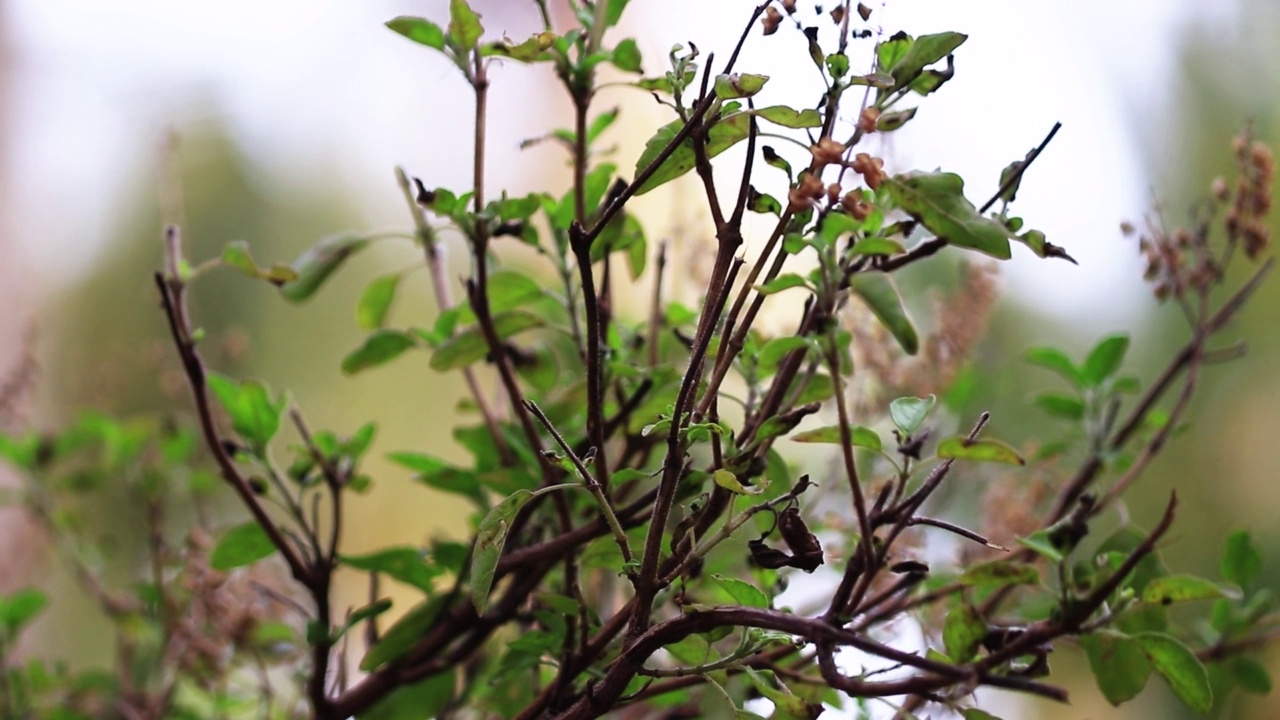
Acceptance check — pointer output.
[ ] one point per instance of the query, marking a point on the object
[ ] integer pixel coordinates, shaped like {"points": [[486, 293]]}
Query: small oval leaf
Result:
{"points": [[241, 545]]}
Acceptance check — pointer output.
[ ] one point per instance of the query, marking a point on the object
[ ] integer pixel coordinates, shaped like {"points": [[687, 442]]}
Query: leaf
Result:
{"points": [[601, 123], [254, 415], [407, 564], [890, 121], [976, 714], [1119, 665], [419, 30], [877, 290], [861, 436], [1040, 542], [19, 608], [491, 537], [877, 246], [379, 348], [1060, 405], [730, 87], [375, 301], [790, 117], [626, 56], [773, 352], [241, 545], [1182, 588], [424, 699], [1178, 665], [743, 592], [1241, 561], [1057, 361], [729, 481], [508, 290], [470, 345], [404, 634], [962, 632], [983, 450], [937, 200], [1104, 360], [925, 51], [908, 413], [1249, 674], [724, 134], [999, 573], [464, 25], [784, 281], [316, 265]]}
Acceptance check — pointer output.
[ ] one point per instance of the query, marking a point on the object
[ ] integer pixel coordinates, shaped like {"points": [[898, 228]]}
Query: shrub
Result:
{"points": [[636, 522]]}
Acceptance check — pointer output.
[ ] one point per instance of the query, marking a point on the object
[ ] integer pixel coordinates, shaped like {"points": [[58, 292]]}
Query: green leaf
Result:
{"points": [[254, 415], [470, 345], [241, 545], [724, 134], [379, 348], [1040, 542], [419, 30], [404, 634], [790, 117], [1249, 674], [1178, 665], [1057, 361], [999, 573], [890, 121], [1119, 665], [962, 632], [891, 51], [784, 281], [424, 699], [1241, 561], [626, 56], [877, 290], [1182, 588], [407, 564], [730, 87], [925, 51], [837, 65], [744, 593], [1060, 405], [1104, 360], [601, 123], [863, 437], [491, 537], [961, 448], [508, 290], [937, 200], [908, 413], [464, 25], [729, 481], [316, 265], [19, 608], [877, 246], [773, 352], [976, 714], [375, 301]]}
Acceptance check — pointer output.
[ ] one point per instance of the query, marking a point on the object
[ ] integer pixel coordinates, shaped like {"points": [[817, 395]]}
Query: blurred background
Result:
{"points": [[278, 123]]}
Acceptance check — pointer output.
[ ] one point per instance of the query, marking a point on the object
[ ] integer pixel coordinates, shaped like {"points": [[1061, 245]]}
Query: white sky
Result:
{"points": [[320, 91]]}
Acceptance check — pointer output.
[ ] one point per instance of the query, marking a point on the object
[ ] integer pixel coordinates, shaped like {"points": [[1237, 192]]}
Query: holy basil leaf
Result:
{"points": [[908, 413], [419, 30], [375, 301], [491, 537], [241, 545], [407, 564], [985, 450], [881, 297], [379, 348], [724, 134], [254, 414], [470, 345], [937, 200], [316, 265]]}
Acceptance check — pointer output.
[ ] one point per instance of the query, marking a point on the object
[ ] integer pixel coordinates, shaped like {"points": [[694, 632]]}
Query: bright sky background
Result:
{"points": [[321, 92]]}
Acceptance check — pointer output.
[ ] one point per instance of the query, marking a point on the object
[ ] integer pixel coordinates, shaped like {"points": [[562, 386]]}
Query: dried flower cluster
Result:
{"points": [[1183, 261]]}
